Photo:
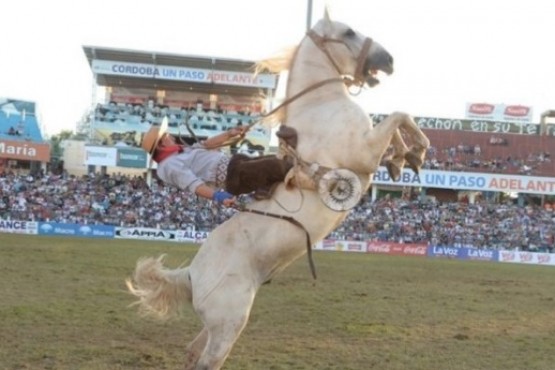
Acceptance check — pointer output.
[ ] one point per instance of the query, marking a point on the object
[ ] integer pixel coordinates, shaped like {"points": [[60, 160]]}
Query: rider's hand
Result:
{"points": [[238, 130], [229, 202], [224, 198]]}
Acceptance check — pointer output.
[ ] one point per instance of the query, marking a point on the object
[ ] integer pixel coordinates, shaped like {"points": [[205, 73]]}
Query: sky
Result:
{"points": [[447, 53]]}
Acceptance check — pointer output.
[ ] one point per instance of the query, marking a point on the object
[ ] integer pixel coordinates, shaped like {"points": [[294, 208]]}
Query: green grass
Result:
{"points": [[64, 305]]}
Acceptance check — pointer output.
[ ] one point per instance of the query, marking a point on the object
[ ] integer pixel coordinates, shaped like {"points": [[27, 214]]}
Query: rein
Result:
{"points": [[296, 223], [347, 81]]}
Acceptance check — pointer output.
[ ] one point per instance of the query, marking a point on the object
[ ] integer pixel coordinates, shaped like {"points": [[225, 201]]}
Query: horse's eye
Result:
{"points": [[350, 32]]}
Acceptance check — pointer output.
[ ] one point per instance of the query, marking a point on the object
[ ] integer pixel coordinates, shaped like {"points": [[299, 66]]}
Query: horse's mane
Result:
{"points": [[278, 63]]}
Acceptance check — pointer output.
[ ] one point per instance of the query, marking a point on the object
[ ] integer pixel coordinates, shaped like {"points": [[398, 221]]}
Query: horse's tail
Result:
{"points": [[162, 292]]}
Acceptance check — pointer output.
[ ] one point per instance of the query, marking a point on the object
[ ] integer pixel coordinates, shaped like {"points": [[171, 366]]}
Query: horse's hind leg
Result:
{"points": [[195, 348], [224, 313], [417, 151], [395, 164]]}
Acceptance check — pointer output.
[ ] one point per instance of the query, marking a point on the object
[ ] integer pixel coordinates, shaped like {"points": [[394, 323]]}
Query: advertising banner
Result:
{"points": [[18, 227], [397, 248], [479, 254], [87, 231], [527, 257], [144, 233], [499, 112], [24, 150], [175, 73], [129, 157], [469, 181], [100, 156], [341, 246], [445, 252], [191, 236]]}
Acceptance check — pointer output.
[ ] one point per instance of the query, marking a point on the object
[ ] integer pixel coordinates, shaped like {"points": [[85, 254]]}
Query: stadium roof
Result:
{"points": [[167, 59]]}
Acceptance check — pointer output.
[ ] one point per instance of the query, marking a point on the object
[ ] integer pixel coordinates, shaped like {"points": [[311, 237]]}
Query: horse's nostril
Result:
{"points": [[390, 60]]}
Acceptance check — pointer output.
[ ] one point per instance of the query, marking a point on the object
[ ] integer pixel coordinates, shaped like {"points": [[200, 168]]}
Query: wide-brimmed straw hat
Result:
{"points": [[153, 136]]}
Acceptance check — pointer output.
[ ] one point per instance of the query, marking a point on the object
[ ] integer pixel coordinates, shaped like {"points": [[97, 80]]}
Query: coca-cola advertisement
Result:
{"points": [[398, 249]]}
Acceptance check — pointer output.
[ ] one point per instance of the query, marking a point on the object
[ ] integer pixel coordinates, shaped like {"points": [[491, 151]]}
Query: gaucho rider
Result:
{"points": [[208, 172]]}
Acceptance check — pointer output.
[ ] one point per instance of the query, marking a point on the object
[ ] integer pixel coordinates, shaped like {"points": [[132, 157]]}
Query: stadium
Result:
{"points": [[473, 228]]}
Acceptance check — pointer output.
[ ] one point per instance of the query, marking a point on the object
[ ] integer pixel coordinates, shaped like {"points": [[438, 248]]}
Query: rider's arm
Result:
{"points": [[217, 140], [207, 192]]}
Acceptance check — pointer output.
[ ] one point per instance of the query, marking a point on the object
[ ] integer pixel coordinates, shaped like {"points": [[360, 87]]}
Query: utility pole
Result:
{"points": [[309, 15]]}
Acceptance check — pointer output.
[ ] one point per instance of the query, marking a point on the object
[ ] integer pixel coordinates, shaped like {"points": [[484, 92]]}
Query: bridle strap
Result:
{"points": [[320, 42]]}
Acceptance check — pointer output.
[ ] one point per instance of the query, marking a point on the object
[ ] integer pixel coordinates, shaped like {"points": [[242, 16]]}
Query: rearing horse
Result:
{"points": [[253, 246]]}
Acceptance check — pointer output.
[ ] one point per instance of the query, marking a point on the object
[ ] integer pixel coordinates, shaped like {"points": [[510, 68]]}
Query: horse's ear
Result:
{"points": [[327, 13]]}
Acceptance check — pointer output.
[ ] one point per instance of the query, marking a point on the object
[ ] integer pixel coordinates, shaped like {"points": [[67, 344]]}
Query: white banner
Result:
{"points": [[341, 246], [527, 257], [144, 233], [175, 73], [101, 156], [499, 112], [470, 181], [18, 227]]}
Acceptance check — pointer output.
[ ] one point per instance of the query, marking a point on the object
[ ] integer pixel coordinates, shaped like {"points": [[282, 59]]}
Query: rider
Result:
{"points": [[208, 172]]}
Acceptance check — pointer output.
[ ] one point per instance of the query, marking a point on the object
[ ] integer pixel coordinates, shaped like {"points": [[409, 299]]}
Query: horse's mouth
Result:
{"points": [[373, 73], [372, 77]]}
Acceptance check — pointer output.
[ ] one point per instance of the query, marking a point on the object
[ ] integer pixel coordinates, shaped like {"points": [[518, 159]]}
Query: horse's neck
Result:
{"points": [[325, 118], [310, 67]]}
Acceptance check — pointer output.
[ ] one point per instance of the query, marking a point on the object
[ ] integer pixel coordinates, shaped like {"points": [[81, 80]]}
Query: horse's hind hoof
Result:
{"points": [[414, 161], [393, 170]]}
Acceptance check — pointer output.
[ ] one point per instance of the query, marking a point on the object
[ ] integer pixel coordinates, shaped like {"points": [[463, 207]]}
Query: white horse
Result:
{"points": [[250, 248]]}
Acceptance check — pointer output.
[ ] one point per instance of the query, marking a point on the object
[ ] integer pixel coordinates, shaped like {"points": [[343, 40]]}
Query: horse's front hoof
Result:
{"points": [[393, 170], [414, 161]]}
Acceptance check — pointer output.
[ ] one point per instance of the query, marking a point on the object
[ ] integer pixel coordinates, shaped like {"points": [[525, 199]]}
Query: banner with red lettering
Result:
{"points": [[397, 249], [527, 257]]}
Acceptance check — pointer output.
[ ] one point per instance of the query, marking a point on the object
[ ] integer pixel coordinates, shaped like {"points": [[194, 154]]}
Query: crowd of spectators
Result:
{"points": [[125, 201], [469, 158], [458, 224]]}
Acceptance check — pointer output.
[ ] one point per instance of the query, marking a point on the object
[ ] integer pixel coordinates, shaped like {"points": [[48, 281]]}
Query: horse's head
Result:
{"points": [[350, 52]]}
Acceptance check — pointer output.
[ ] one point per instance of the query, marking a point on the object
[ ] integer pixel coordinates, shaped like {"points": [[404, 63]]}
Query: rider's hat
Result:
{"points": [[153, 136]]}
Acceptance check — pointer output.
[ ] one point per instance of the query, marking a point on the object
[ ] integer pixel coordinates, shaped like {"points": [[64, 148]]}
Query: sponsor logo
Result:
{"points": [[544, 258], [507, 256], [445, 251], [480, 254], [481, 108], [415, 250], [47, 228], [526, 256], [379, 248], [85, 230], [517, 110], [145, 234]]}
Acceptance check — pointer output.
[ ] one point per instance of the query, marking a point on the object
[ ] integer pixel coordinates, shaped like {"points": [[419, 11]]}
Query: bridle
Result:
{"points": [[358, 79]]}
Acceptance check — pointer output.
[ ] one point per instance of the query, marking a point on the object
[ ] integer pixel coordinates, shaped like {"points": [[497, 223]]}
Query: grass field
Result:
{"points": [[63, 305]]}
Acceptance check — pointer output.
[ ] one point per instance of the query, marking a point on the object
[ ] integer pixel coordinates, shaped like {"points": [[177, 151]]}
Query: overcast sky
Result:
{"points": [[447, 53]]}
